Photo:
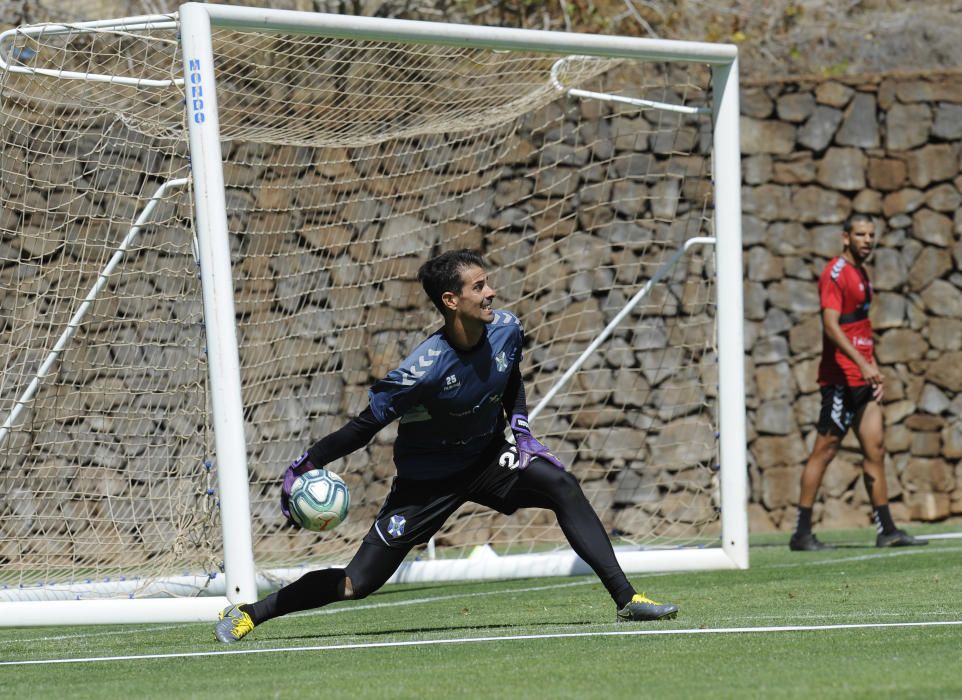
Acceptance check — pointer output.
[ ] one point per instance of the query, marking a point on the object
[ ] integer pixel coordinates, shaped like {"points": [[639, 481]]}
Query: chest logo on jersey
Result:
{"points": [[501, 361], [451, 382]]}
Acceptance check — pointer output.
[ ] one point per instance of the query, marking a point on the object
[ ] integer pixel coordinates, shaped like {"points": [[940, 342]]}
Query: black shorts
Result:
{"points": [[842, 406], [414, 510]]}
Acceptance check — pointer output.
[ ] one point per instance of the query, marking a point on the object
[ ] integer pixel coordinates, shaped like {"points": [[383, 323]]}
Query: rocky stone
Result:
{"points": [[945, 333], [806, 337], [795, 296], [889, 268], [928, 475], [798, 268], [817, 205], [780, 486], [754, 300], [775, 418], [886, 173], [805, 371], [898, 438], [842, 169], [933, 400], [932, 227], [757, 169], [907, 126], [928, 506], [833, 93], [767, 202], [897, 411], [902, 202], [838, 515], [788, 239], [793, 169], [943, 198], [952, 441], [766, 136], [946, 371], [948, 122], [776, 322], [755, 102], [931, 264], [759, 519], [943, 298], [925, 445], [860, 125], [932, 163], [827, 240], [774, 381], [753, 231], [795, 107], [685, 441], [841, 476], [808, 407], [818, 131], [762, 266], [925, 422], [887, 311], [636, 487], [770, 350], [868, 202], [900, 345]]}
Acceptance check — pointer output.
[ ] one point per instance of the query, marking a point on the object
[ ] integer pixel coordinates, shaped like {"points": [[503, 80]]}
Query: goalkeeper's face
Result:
{"points": [[476, 297]]}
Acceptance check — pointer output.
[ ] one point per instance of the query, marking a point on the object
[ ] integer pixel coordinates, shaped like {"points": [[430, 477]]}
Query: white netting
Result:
{"points": [[346, 164]]}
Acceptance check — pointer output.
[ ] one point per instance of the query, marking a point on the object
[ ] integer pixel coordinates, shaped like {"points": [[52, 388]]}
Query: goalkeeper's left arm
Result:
{"points": [[516, 407]]}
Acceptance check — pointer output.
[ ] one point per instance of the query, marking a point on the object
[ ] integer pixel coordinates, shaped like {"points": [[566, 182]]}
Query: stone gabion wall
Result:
{"points": [[814, 152]]}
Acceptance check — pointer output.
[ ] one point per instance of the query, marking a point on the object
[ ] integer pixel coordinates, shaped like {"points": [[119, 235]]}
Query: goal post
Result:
{"points": [[229, 324]]}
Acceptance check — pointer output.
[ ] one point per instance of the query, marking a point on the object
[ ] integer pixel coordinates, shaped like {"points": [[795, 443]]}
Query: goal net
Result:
{"points": [[319, 167]]}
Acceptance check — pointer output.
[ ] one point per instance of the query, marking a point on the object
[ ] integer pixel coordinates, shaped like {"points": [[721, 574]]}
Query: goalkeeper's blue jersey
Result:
{"points": [[449, 401]]}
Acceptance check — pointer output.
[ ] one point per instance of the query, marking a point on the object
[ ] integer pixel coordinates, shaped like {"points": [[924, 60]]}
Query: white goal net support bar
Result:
{"points": [[209, 232]]}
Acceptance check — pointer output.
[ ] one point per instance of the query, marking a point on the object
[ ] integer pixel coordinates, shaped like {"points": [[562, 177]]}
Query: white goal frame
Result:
{"points": [[240, 582]]}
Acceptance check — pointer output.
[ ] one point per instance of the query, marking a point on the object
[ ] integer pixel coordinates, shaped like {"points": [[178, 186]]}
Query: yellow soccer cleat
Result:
{"points": [[642, 609], [232, 624]]}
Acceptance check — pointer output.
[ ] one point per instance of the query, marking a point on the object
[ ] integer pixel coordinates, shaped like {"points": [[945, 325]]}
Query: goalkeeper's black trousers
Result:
{"points": [[541, 485]]}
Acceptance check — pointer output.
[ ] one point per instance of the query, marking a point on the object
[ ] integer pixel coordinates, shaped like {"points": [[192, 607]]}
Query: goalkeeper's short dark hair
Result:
{"points": [[442, 273]]}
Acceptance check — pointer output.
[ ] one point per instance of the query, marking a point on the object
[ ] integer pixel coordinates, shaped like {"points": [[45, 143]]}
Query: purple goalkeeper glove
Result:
{"points": [[528, 446], [299, 466]]}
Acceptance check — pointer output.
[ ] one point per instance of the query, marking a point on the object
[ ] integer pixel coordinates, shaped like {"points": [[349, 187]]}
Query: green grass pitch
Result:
{"points": [[856, 622]]}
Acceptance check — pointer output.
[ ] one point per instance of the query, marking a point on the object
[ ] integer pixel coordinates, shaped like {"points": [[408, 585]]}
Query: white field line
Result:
{"points": [[324, 611], [887, 554], [482, 640], [803, 561]]}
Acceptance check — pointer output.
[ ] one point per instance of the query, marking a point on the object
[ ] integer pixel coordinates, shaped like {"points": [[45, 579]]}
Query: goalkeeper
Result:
{"points": [[453, 396]]}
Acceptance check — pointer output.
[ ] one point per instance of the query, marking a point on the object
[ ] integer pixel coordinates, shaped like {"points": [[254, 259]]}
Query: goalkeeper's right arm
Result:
{"points": [[353, 436]]}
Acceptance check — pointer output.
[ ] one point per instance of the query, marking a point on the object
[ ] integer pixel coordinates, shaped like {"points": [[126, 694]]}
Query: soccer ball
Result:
{"points": [[319, 500]]}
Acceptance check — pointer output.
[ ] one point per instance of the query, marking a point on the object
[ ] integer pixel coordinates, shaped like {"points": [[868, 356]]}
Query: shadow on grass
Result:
{"points": [[380, 632]]}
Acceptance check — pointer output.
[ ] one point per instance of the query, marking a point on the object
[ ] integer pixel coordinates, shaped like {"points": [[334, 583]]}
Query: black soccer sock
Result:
{"points": [[312, 590], [883, 519], [370, 568], [803, 525], [543, 485]]}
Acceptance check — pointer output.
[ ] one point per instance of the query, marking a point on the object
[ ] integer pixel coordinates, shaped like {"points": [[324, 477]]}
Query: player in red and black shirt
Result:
{"points": [[851, 386]]}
